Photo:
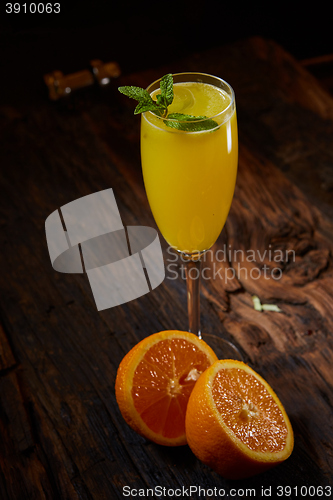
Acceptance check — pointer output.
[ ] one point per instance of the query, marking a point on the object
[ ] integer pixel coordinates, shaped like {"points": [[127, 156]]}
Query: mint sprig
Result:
{"points": [[146, 103], [179, 121]]}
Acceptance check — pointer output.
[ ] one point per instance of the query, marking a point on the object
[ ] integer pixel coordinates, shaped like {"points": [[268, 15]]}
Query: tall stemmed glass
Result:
{"points": [[190, 176]]}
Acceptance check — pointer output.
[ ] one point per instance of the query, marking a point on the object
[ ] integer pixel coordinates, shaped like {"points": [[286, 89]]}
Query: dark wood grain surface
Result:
{"points": [[61, 433]]}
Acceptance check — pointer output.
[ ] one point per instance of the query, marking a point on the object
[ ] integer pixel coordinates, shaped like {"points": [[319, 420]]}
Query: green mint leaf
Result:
{"points": [[190, 123], [166, 87], [145, 102], [160, 100], [137, 93], [165, 98], [142, 107]]}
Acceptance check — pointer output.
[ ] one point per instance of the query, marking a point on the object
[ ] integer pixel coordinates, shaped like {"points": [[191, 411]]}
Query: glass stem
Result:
{"points": [[193, 272]]}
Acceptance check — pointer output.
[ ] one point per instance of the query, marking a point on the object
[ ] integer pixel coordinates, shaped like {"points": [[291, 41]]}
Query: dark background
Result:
{"points": [[140, 35]]}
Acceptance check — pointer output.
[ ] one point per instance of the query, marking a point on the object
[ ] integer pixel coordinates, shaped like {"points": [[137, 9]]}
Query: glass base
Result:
{"points": [[222, 348]]}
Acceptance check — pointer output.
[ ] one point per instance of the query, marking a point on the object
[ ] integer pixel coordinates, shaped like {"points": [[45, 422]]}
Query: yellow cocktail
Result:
{"points": [[189, 153], [190, 176]]}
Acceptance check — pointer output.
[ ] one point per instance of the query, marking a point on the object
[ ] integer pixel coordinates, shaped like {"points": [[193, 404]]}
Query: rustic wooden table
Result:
{"points": [[62, 435]]}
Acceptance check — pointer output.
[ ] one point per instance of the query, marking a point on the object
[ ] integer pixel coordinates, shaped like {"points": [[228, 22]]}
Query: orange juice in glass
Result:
{"points": [[190, 175]]}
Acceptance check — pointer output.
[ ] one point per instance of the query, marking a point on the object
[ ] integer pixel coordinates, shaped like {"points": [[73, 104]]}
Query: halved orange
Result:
{"points": [[235, 423], [154, 381]]}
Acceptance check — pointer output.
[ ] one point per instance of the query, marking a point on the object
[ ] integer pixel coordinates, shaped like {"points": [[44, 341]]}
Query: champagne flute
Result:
{"points": [[190, 177]]}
